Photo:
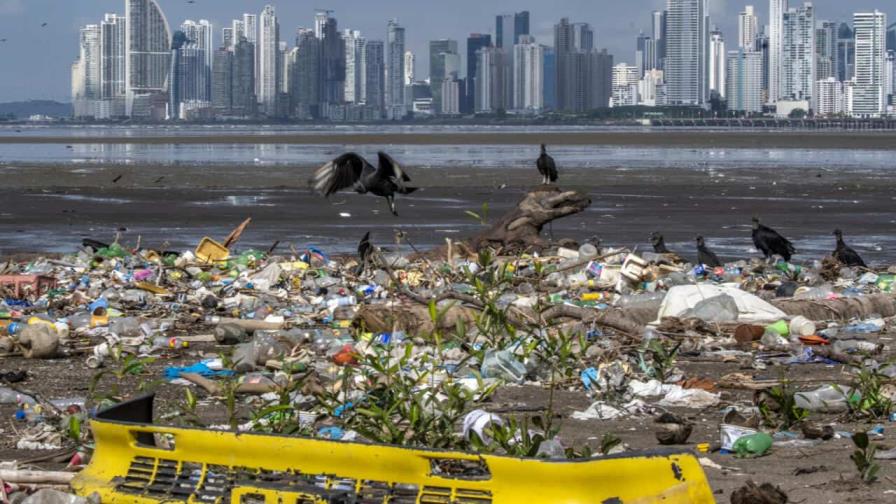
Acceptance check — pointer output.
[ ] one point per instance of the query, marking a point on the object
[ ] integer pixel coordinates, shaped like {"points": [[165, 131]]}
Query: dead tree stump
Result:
{"points": [[520, 229]]}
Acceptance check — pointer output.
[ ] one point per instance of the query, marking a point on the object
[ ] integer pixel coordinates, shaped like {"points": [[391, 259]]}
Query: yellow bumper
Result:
{"points": [[139, 463]]}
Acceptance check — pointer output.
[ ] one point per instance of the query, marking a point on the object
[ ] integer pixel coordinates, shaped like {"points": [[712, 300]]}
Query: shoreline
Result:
{"points": [[881, 140]]}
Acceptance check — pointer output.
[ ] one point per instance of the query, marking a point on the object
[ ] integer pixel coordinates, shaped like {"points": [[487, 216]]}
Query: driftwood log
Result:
{"points": [[520, 229], [840, 309]]}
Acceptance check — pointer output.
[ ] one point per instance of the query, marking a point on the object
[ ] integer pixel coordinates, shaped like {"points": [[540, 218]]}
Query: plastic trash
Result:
{"points": [[729, 434], [866, 327], [801, 326], [39, 341], [718, 309], [477, 421], [503, 364], [753, 445], [551, 449], [827, 399]]}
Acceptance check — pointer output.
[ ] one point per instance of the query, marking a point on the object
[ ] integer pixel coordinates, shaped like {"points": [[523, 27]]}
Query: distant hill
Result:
{"points": [[23, 110]]}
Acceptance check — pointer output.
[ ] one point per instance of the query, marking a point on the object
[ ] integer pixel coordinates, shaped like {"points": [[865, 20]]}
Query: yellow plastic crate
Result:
{"points": [[136, 462], [211, 251]]}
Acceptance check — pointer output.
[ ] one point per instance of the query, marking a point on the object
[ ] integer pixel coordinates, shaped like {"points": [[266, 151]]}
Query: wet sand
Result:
{"points": [[695, 138], [52, 207]]}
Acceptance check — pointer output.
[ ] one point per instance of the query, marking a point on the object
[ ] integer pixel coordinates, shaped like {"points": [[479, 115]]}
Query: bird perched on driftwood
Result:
{"points": [[770, 242], [845, 254], [365, 254], [705, 256], [353, 171], [659, 247], [546, 167], [659, 243]]}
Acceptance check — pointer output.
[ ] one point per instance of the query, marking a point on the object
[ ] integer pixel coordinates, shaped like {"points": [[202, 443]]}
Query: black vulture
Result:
{"points": [[770, 243], [353, 171], [845, 254], [705, 256], [365, 252], [546, 167], [659, 243]]}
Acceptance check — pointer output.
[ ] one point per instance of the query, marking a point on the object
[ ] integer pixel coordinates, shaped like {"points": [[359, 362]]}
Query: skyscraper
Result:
{"points": [[509, 28], [148, 55], [798, 56], [395, 70], [268, 71], [320, 20], [659, 37], [747, 28], [775, 47], [86, 75], [687, 58], [375, 75], [475, 42], [245, 101], [410, 68], [443, 57], [830, 97], [200, 37], [825, 49], [717, 61], [528, 79], [846, 53], [239, 31], [744, 81], [645, 54], [868, 93], [306, 78], [625, 85], [250, 28], [354, 66], [222, 79], [332, 62], [113, 31], [226, 39]]}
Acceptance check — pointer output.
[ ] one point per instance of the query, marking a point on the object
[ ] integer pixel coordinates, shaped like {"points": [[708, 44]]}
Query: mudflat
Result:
{"points": [[50, 207]]}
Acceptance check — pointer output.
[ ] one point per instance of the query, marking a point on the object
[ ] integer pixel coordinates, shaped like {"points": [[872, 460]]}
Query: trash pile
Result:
{"points": [[409, 349]]}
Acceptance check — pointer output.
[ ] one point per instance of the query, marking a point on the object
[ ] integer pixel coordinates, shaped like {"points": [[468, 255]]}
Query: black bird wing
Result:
{"points": [[776, 243], [341, 173], [364, 247], [390, 170], [848, 256], [547, 167], [708, 257]]}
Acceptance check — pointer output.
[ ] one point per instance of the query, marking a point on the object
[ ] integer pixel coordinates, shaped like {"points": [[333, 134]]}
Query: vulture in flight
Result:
{"points": [[351, 171]]}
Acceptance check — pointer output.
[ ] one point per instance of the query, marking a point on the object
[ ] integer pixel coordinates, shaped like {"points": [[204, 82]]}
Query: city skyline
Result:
{"points": [[47, 79]]}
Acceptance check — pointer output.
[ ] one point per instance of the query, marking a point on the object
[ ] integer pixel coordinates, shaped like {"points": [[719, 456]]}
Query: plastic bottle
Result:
{"points": [[754, 445], [826, 399], [163, 342]]}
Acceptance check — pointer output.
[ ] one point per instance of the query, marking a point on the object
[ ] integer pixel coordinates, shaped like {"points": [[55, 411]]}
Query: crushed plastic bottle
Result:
{"points": [[503, 364], [754, 445], [827, 399]]}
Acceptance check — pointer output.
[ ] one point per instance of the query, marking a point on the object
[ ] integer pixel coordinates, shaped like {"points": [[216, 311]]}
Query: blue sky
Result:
{"points": [[37, 60]]}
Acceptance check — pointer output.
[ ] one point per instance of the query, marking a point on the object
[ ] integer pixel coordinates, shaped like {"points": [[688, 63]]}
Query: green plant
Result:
{"points": [[128, 365], [400, 402], [663, 355], [780, 411], [863, 457], [872, 402], [608, 442], [481, 216], [514, 438]]}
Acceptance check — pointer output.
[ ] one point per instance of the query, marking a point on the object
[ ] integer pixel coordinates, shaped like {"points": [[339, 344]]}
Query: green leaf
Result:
{"points": [[860, 439]]}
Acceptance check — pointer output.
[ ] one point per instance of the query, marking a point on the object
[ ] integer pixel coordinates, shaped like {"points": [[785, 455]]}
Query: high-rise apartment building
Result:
{"points": [[775, 47], [747, 28], [354, 66], [375, 76], [528, 79], [268, 70], [687, 55], [868, 92], [797, 72], [395, 70], [148, 57], [825, 49], [744, 81], [717, 62]]}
